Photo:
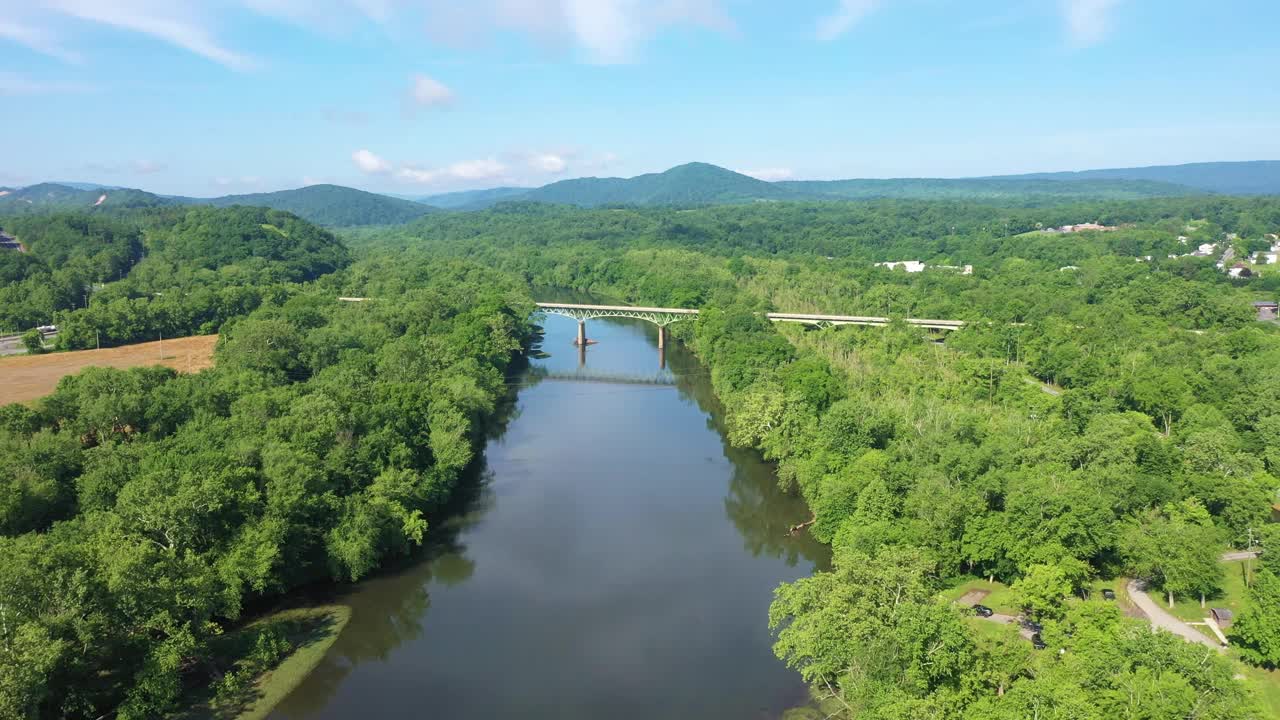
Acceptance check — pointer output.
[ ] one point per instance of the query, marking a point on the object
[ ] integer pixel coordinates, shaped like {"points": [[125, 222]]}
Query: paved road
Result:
{"points": [[1163, 620], [1240, 555]]}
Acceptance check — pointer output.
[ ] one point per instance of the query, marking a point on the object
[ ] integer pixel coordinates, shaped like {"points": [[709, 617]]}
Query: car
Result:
{"points": [[1038, 642], [983, 611], [1108, 594], [1033, 626]]}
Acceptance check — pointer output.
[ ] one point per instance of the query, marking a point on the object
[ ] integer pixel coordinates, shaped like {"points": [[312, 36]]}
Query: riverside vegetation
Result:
{"points": [[1115, 417]]}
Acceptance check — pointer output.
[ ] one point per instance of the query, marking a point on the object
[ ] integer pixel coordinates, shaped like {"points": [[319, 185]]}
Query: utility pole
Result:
{"points": [[162, 345], [97, 339]]}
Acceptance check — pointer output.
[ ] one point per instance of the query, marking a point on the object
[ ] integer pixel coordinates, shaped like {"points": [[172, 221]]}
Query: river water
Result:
{"points": [[614, 558]]}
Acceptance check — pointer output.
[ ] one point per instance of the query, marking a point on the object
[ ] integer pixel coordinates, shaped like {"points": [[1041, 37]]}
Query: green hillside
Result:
{"points": [[691, 184], [1259, 177], [1010, 191], [473, 199], [703, 184], [47, 197], [332, 205]]}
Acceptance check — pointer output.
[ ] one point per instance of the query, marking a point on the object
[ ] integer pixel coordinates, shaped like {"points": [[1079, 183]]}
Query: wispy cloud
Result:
{"points": [[1088, 21], [552, 163], [770, 174], [607, 31], [171, 22], [36, 39], [467, 170], [135, 167], [845, 16], [427, 92], [12, 83]]}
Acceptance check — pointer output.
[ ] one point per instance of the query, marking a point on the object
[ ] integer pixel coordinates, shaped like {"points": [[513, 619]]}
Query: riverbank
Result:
{"points": [[252, 694]]}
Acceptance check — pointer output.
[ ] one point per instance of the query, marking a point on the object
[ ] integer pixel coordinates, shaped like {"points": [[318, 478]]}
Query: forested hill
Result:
{"points": [[691, 184], [47, 197], [697, 184], [1260, 177], [179, 270], [1007, 191], [472, 198], [332, 205]]}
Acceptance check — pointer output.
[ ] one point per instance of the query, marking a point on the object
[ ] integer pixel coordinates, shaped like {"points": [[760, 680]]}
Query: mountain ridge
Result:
{"points": [[695, 183]]}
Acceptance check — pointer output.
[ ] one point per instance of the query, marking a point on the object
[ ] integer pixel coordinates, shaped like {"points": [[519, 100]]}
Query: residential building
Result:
{"points": [[911, 266]]}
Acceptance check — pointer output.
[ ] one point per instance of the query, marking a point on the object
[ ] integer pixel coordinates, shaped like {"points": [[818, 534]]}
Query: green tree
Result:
{"points": [[1043, 590], [1256, 632], [33, 341]]}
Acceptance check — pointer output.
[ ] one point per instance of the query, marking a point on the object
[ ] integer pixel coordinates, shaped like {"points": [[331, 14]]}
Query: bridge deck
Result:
{"points": [[776, 317], [618, 308]]}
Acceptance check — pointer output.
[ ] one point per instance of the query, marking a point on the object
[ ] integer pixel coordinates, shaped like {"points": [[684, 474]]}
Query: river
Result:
{"points": [[614, 558]]}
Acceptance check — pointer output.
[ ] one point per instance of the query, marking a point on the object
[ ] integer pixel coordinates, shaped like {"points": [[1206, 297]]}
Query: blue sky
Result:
{"points": [[424, 96]]}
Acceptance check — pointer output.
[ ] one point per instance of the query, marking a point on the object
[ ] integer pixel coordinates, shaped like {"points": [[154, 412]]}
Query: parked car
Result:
{"points": [[1108, 594], [1033, 626], [983, 611], [1037, 642]]}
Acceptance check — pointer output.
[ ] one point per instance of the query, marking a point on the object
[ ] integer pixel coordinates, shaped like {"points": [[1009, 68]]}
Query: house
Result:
{"points": [[1205, 250], [1222, 617], [911, 266], [1240, 270], [1267, 309], [8, 242]]}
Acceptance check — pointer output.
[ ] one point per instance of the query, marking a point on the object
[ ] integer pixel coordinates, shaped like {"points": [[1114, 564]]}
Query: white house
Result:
{"points": [[911, 266]]}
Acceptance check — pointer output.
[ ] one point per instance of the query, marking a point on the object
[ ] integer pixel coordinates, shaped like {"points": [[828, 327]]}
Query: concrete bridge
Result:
{"points": [[662, 317]]}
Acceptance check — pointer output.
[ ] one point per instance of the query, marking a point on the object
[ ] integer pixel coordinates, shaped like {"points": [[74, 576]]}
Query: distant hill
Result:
{"points": [[1258, 177], [704, 184], [691, 184], [332, 205], [472, 199], [1020, 191], [47, 197]]}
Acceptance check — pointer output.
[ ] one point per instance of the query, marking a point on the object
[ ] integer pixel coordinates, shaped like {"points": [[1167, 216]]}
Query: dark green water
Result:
{"points": [[615, 560]]}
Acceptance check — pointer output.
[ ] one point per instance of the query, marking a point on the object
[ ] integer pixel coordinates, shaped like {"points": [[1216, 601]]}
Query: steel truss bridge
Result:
{"points": [[662, 317]]}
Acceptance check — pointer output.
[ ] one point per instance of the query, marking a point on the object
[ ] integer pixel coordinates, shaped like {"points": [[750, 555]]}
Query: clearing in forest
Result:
{"points": [[26, 377]]}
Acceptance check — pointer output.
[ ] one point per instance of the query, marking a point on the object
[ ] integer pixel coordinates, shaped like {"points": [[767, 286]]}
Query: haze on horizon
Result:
{"points": [[430, 96]]}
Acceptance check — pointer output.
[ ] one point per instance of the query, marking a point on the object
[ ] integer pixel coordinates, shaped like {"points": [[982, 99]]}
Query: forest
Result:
{"points": [[1102, 415]]}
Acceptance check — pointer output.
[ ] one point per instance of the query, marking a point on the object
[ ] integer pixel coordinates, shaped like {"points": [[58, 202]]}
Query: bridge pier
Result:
{"points": [[582, 334], [662, 336]]}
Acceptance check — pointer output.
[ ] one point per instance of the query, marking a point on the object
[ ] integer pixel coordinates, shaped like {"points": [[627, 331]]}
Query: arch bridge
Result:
{"points": [[662, 317]]}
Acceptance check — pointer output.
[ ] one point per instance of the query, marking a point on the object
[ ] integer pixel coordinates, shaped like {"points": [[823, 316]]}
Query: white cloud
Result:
{"points": [[427, 92], [370, 163], [770, 174], [548, 163], [171, 22], [1088, 21], [35, 39], [476, 169], [848, 14], [466, 171], [609, 31], [147, 167]]}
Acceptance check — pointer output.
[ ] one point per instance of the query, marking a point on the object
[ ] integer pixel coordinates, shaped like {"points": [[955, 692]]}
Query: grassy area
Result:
{"points": [[1232, 596], [1267, 685], [999, 597], [310, 633]]}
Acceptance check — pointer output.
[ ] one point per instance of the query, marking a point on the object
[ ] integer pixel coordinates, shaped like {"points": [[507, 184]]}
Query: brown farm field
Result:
{"points": [[24, 378]]}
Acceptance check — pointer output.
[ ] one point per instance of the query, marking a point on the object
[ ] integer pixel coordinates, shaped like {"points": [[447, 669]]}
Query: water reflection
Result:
{"points": [[593, 567]]}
